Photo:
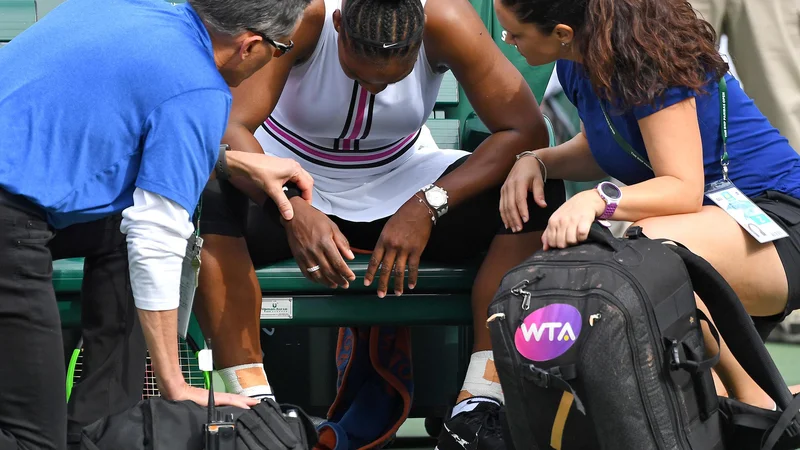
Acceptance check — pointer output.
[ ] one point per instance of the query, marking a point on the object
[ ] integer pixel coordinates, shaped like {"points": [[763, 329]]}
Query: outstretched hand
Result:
{"points": [[401, 243], [200, 396], [525, 176], [270, 174]]}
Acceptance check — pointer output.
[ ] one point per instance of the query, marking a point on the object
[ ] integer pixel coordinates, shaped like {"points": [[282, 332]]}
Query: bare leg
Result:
{"points": [[753, 270], [228, 306], [505, 252]]}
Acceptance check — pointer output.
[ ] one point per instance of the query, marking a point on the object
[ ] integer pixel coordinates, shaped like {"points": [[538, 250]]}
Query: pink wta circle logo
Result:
{"points": [[548, 332]]}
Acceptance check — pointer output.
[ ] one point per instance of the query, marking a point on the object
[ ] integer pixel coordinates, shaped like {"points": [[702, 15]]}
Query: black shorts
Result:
{"points": [[463, 233], [785, 210]]}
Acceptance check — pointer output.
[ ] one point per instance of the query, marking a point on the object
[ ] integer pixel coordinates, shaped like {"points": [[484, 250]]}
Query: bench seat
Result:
{"points": [[442, 293]]}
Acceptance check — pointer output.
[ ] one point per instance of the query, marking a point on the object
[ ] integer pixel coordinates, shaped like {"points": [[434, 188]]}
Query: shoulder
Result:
{"points": [[309, 29], [451, 25]]}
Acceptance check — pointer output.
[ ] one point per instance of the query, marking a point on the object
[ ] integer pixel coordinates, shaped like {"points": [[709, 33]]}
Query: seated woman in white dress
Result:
{"points": [[349, 102]]}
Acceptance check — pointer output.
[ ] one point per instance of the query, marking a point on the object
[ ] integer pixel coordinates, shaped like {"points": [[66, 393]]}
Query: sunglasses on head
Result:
{"points": [[280, 48]]}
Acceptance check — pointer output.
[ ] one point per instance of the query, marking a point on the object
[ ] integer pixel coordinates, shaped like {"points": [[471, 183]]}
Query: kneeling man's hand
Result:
{"points": [[270, 174]]}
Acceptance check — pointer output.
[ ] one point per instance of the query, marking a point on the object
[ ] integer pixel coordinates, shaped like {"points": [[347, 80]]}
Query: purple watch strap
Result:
{"points": [[609, 211]]}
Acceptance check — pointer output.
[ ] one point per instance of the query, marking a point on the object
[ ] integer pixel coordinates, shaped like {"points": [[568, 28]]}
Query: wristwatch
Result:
{"points": [[611, 194], [436, 198], [221, 167]]}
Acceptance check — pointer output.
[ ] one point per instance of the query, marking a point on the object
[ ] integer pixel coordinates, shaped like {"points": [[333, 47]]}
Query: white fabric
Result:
{"points": [[233, 385], [470, 404], [156, 229], [475, 383], [368, 153]]}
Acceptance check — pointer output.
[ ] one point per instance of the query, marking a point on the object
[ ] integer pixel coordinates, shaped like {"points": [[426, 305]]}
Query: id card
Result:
{"points": [[744, 211], [190, 275]]}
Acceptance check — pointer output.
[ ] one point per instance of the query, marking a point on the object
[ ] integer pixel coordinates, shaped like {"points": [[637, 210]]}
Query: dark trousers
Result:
{"points": [[33, 409]]}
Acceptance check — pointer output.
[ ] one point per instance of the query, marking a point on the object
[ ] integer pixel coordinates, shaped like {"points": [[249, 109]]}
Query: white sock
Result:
{"points": [[233, 382], [470, 404], [481, 379]]}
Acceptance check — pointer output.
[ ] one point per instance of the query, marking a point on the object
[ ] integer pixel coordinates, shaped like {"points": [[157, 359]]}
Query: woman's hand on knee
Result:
{"points": [[525, 176]]}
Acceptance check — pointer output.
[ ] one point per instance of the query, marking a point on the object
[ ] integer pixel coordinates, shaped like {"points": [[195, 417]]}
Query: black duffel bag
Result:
{"points": [[599, 346], [159, 424]]}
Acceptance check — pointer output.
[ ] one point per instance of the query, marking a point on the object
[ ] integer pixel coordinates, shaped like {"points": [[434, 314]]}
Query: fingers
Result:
{"points": [[387, 263], [343, 245], [275, 192], [304, 182], [413, 269], [509, 212], [339, 269], [583, 230], [537, 187], [399, 272], [239, 401], [374, 262], [324, 274]]}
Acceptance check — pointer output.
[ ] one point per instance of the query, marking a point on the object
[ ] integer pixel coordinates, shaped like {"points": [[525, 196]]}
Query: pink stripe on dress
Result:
{"points": [[339, 158]]}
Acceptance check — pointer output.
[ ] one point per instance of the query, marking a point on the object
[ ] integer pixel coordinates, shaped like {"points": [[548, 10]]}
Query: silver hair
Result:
{"points": [[273, 18]]}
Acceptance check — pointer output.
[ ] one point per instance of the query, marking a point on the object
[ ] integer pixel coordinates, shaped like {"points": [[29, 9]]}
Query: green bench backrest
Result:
{"points": [[15, 17]]}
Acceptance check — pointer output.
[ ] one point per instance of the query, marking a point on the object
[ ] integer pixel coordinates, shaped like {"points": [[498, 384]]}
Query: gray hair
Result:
{"points": [[273, 18]]}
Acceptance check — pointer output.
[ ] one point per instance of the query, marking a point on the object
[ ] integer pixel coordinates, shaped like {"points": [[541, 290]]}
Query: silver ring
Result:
{"points": [[313, 269]]}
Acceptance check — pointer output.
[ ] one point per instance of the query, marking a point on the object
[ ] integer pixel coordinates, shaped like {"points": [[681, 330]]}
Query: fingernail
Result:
{"points": [[525, 219], [381, 294], [367, 282], [411, 286]]}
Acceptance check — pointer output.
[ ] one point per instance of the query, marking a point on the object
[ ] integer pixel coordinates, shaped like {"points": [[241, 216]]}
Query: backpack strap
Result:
{"points": [[735, 325], [783, 425], [555, 377]]}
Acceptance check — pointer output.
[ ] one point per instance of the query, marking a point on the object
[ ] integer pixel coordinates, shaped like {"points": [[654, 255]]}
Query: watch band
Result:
{"points": [[609, 211], [221, 167], [437, 211]]}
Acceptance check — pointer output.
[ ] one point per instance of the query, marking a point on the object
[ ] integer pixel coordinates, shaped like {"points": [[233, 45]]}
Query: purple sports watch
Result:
{"points": [[611, 194]]}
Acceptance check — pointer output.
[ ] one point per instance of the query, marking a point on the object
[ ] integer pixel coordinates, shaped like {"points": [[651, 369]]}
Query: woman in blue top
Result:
{"points": [[652, 67]]}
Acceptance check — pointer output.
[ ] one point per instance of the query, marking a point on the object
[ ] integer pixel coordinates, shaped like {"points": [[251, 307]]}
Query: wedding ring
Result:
{"points": [[313, 269]]}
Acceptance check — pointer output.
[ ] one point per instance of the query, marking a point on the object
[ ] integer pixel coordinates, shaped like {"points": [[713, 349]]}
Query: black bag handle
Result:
{"points": [[602, 235], [735, 325]]}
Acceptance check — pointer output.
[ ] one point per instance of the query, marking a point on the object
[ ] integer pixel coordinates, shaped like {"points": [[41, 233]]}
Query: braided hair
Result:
{"points": [[383, 28]]}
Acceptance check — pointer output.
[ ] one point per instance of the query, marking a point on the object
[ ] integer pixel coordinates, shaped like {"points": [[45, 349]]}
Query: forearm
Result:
{"points": [[571, 161], [161, 333], [489, 164], [660, 196], [156, 230]]}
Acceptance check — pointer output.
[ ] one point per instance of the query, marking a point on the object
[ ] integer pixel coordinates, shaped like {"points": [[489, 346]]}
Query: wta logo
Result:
{"points": [[548, 332]]}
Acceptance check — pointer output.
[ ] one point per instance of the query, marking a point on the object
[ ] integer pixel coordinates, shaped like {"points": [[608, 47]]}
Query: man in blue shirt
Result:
{"points": [[112, 113]]}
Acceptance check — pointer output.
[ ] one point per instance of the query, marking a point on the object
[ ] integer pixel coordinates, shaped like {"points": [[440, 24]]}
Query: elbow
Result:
{"points": [[693, 195]]}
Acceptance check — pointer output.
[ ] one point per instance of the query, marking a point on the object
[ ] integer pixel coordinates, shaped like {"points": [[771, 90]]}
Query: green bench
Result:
{"points": [[15, 17]]}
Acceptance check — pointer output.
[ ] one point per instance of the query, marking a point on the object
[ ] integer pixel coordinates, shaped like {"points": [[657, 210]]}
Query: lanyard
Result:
{"points": [[723, 119], [197, 212]]}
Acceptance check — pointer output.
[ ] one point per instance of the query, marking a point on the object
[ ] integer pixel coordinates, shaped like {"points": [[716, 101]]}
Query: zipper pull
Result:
{"points": [[519, 290], [526, 300], [594, 318]]}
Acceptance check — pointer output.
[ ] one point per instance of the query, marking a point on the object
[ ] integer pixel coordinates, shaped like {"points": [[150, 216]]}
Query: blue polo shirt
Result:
{"points": [[760, 158], [103, 96]]}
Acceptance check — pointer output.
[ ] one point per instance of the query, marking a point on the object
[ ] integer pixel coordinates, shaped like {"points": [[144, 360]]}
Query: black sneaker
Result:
{"points": [[478, 426]]}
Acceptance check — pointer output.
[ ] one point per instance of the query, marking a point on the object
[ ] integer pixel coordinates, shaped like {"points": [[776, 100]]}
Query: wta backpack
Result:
{"points": [[599, 346]]}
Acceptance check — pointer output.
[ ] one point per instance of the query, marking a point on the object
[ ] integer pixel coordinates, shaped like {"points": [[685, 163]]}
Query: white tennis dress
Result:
{"points": [[368, 153]]}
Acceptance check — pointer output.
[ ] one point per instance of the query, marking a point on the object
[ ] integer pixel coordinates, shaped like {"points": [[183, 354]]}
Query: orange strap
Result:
{"points": [[560, 421]]}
